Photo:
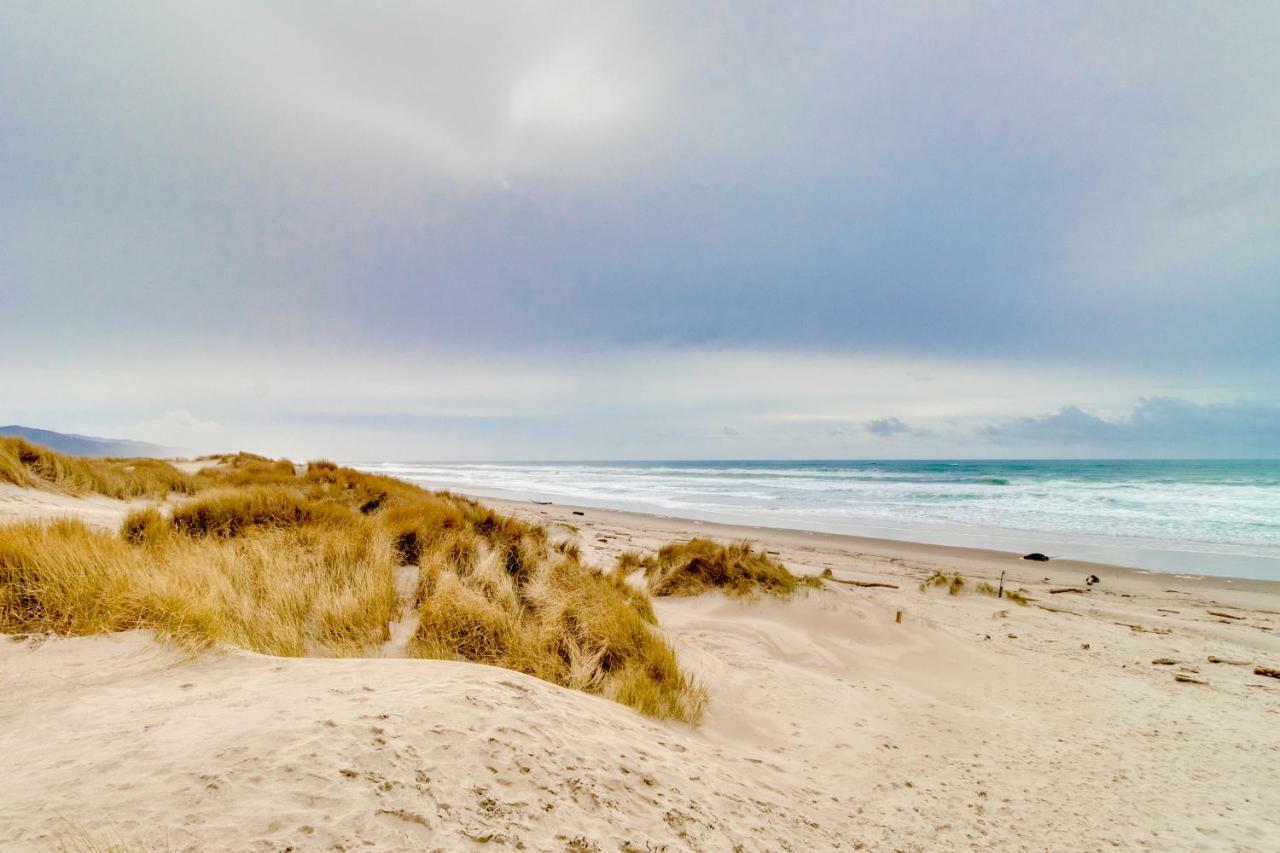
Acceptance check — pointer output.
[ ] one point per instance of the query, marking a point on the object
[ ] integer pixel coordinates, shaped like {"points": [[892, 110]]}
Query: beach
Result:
{"points": [[881, 717]]}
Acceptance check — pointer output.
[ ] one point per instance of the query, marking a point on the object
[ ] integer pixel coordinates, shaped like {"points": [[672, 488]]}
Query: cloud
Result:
{"points": [[729, 431], [1214, 429], [886, 427], [411, 176]]}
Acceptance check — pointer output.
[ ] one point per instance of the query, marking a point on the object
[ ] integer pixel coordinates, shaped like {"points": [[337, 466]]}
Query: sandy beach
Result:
{"points": [[972, 724]]}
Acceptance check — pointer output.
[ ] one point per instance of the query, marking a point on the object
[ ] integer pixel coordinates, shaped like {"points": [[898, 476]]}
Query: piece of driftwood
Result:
{"points": [[1142, 629], [1057, 610], [1067, 589], [1219, 613], [1165, 662], [867, 584], [1267, 671], [1166, 610], [1227, 661], [1186, 679]]}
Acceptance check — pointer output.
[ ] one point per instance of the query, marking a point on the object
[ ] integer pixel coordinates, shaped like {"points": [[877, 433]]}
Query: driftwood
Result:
{"points": [[1166, 610], [868, 584], [1223, 615], [1057, 610], [1216, 659], [1067, 589], [1145, 630], [1165, 662], [1267, 671], [1186, 679]]}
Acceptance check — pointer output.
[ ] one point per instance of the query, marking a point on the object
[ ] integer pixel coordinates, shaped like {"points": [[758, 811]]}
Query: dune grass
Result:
{"points": [[498, 593], [699, 565], [956, 583], [285, 562], [33, 466], [301, 591]]}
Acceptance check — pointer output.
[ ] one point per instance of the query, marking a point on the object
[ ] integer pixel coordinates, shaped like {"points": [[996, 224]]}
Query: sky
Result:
{"points": [[653, 230]]}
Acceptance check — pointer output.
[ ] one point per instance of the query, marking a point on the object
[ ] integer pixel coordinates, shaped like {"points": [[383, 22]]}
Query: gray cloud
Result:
{"points": [[1248, 427], [886, 427], [506, 177], [573, 184]]}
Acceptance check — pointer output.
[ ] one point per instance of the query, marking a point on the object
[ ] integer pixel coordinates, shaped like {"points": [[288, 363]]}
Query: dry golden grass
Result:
{"points": [[493, 590], [956, 583], [288, 563], [25, 464], [699, 565], [290, 592]]}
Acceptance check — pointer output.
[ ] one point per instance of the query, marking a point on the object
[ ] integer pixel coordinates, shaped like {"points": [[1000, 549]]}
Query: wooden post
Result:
{"points": [[898, 618], [1000, 594]]}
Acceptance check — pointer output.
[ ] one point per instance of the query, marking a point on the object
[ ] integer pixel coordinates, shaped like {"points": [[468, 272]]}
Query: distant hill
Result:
{"points": [[87, 445]]}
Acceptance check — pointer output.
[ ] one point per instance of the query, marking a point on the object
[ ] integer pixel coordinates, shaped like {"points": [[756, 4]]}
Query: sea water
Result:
{"points": [[1198, 516]]}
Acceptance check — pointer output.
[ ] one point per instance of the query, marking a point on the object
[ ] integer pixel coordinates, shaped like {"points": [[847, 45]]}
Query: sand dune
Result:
{"points": [[972, 724]]}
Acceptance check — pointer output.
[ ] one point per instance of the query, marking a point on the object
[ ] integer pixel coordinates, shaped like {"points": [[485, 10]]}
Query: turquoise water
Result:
{"points": [[1201, 516]]}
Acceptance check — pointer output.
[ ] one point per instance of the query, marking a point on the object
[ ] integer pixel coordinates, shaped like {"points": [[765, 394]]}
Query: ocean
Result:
{"points": [[1193, 516]]}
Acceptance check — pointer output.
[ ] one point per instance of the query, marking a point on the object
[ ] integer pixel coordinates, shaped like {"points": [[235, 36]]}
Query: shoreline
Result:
{"points": [[1126, 519], [985, 563]]}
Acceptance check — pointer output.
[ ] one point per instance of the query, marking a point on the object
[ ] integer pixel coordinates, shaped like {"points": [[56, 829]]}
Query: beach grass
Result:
{"points": [[293, 561], [700, 565], [32, 466]]}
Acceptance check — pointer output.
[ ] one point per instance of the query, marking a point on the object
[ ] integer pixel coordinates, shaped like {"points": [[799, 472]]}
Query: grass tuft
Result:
{"points": [[955, 583], [699, 565]]}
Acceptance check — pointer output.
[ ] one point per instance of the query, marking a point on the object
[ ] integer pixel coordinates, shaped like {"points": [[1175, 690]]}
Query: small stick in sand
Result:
{"points": [[898, 618], [1216, 659], [1165, 662], [1267, 671], [1066, 589], [1223, 615], [1186, 679]]}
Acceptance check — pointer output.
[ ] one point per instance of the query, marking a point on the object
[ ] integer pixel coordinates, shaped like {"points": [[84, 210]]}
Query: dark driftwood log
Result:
{"points": [[1223, 615], [1067, 589], [1165, 662], [1267, 671]]}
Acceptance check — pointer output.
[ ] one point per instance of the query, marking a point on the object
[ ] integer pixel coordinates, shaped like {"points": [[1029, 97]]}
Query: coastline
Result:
{"points": [[981, 563], [1183, 516]]}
